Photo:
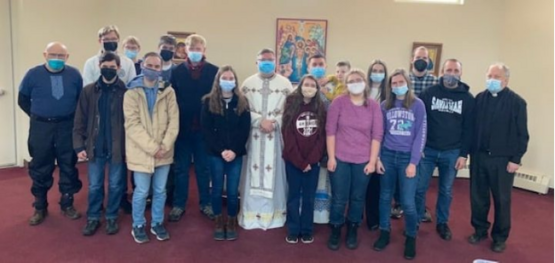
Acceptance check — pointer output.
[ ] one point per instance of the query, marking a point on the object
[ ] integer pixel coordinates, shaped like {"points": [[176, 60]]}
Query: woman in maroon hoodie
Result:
{"points": [[304, 122]]}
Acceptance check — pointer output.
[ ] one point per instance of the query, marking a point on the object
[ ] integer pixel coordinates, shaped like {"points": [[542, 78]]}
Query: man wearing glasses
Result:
{"points": [[108, 37], [48, 94]]}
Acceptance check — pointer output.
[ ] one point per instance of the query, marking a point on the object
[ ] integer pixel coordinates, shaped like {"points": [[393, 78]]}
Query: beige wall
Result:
{"points": [[527, 48], [359, 31]]}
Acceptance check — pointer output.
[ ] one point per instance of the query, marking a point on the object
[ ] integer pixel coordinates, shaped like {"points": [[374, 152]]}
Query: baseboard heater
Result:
{"points": [[523, 180]]}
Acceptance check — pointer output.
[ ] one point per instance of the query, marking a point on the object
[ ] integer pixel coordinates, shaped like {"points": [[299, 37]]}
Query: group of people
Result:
{"points": [[374, 137]]}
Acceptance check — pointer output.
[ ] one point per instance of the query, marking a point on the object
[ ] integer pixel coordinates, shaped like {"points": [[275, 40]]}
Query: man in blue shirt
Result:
{"points": [[48, 94]]}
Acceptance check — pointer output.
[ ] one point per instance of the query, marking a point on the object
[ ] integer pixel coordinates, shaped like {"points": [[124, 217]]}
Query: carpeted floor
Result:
{"points": [[59, 240]]}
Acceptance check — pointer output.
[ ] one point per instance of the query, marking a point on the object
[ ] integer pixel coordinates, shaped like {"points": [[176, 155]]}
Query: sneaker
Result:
{"points": [[112, 227], [207, 211], [139, 234], [444, 231], [427, 217], [498, 246], [476, 238], [307, 239], [125, 205], [291, 239], [175, 214], [38, 217], [160, 232], [396, 212], [71, 213], [91, 227]]}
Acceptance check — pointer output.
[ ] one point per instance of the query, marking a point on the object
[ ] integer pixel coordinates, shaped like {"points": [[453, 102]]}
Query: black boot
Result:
{"points": [[383, 241], [351, 239], [333, 242], [410, 247]]}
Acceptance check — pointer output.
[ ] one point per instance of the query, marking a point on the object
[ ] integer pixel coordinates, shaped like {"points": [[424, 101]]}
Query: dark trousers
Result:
{"points": [[302, 186], [489, 174], [373, 201], [188, 145], [127, 175], [50, 143]]}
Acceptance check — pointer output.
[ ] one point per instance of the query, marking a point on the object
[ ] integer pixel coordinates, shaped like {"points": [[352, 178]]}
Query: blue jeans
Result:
{"points": [[191, 144], [221, 169], [395, 164], [116, 180], [445, 162], [348, 185], [142, 187], [301, 185]]}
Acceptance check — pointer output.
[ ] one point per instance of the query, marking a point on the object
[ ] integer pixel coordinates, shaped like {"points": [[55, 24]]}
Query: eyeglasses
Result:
{"points": [[109, 40], [55, 55]]}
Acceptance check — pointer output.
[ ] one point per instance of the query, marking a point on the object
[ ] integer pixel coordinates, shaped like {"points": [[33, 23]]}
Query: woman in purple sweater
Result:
{"points": [[354, 130], [404, 140]]}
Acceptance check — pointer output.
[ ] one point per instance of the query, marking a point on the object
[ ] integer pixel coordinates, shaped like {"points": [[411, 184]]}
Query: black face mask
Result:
{"points": [[166, 54], [110, 46], [108, 73], [420, 65]]}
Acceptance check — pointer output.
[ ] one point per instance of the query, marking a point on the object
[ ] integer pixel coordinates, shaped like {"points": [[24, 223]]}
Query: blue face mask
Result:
{"points": [[56, 64], [400, 91], [266, 67], [131, 54], [227, 85], [194, 56], [493, 86], [151, 74], [377, 77], [318, 72]]}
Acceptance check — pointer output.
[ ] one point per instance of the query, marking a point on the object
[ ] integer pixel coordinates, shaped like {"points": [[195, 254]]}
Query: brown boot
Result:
{"points": [[219, 231], [38, 217], [71, 213], [231, 228]]}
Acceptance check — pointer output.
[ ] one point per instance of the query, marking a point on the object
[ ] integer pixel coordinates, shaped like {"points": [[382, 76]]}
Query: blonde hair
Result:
{"points": [[131, 40], [195, 39], [362, 74], [107, 30], [421, 48]]}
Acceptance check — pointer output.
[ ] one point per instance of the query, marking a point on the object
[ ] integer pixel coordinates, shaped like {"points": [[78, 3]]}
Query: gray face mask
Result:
{"points": [[450, 80]]}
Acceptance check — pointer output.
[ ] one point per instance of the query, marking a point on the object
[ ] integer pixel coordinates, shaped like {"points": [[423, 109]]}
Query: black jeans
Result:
{"points": [[50, 143], [489, 174], [373, 201]]}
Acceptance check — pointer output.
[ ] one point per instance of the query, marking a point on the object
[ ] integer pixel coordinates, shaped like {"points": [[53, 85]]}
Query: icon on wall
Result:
{"points": [[296, 41]]}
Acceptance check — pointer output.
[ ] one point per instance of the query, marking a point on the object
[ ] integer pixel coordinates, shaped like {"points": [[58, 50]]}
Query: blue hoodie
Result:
{"points": [[150, 92]]}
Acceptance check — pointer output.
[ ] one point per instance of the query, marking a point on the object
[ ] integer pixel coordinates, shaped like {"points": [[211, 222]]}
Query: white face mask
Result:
{"points": [[356, 88], [308, 92]]}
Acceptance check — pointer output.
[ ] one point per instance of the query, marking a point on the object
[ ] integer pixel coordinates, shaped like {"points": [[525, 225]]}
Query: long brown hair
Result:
{"points": [[215, 96], [381, 89], [391, 97], [295, 100], [361, 74]]}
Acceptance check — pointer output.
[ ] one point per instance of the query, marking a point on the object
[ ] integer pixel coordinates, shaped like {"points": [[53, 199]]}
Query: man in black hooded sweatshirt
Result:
{"points": [[449, 107], [500, 140]]}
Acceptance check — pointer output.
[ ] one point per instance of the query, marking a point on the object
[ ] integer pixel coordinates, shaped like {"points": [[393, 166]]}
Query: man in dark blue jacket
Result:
{"points": [[191, 80], [48, 94], [449, 107]]}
